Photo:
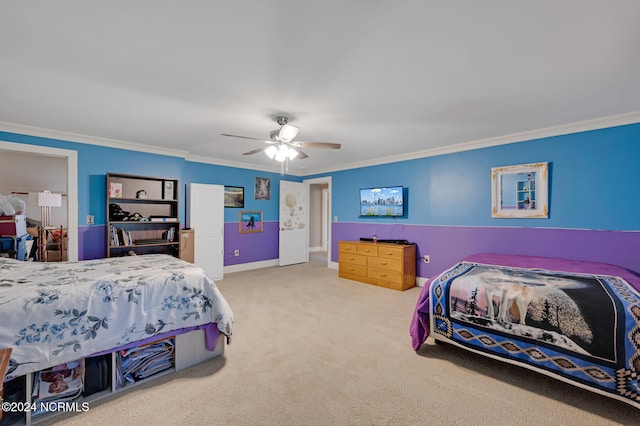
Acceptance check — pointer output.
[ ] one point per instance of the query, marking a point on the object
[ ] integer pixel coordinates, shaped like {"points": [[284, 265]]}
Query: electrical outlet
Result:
{"points": [[89, 219], [236, 252], [426, 258]]}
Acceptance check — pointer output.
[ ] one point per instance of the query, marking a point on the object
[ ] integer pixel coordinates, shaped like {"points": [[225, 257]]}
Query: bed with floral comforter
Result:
{"points": [[52, 313]]}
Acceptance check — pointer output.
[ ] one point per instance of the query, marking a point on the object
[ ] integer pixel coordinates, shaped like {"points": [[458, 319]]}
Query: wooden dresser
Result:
{"points": [[387, 265]]}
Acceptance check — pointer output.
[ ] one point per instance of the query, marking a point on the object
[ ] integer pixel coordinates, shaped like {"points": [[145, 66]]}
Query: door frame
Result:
{"points": [[72, 185], [325, 180]]}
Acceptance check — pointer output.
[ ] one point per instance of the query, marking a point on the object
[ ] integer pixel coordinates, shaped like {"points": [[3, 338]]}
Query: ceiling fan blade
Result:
{"points": [[242, 137], [255, 151], [301, 155], [316, 144]]}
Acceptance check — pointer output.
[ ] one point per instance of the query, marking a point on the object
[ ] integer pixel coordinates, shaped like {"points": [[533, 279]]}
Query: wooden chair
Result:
{"points": [[5, 354]]}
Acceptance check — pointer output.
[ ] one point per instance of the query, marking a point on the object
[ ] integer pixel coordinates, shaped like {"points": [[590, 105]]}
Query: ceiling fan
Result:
{"points": [[281, 145]]}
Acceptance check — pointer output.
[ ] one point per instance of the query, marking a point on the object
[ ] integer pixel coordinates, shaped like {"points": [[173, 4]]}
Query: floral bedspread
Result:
{"points": [[52, 313]]}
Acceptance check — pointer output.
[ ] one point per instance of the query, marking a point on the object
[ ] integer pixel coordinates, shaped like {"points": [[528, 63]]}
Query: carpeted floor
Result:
{"points": [[310, 348]]}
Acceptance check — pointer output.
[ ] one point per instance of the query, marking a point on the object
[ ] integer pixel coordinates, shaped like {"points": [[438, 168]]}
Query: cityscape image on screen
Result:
{"points": [[382, 201]]}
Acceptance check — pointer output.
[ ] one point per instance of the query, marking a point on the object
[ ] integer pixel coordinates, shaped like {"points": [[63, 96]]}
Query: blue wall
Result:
{"points": [[94, 162], [591, 183], [592, 187]]}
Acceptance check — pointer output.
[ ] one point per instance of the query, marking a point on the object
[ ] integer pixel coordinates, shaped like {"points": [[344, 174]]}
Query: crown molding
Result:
{"points": [[236, 164], [86, 139], [564, 129]]}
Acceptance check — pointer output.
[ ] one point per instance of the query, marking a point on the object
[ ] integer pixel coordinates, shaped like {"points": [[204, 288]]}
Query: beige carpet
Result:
{"points": [[310, 348]]}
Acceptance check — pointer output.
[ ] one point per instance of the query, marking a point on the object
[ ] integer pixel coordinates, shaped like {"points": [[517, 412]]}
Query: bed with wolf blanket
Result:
{"points": [[577, 321], [53, 313]]}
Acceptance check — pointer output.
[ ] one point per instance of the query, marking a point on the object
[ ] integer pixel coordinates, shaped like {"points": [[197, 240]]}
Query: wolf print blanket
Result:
{"points": [[574, 323]]}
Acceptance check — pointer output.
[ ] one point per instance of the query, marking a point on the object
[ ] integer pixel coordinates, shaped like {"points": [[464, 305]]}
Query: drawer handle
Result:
{"points": [[383, 263], [389, 253], [366, 251], [352, 269], [383, 275], [347, 248], [352, 258]]}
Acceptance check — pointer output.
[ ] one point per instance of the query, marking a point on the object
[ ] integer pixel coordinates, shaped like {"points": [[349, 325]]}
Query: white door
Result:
{"points": [[205, 214], [294, 222]]}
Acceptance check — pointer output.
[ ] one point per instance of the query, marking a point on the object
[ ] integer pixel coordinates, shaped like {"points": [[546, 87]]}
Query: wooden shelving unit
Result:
{"points": [[142, 215]]}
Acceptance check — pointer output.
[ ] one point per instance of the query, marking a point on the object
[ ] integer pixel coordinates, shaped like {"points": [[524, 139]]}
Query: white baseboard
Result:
{"points": [[250, 266], [420, 281]]}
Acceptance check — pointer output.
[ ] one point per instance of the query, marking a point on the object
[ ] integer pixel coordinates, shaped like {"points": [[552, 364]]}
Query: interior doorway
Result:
{"points": [[320, 220], [71, 172]]}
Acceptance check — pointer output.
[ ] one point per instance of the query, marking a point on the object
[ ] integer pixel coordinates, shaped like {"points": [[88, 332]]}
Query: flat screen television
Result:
{"points": [[382, 201]]}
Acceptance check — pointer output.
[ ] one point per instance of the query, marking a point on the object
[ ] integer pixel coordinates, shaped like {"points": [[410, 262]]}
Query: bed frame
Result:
{"points": [[190, 350]]}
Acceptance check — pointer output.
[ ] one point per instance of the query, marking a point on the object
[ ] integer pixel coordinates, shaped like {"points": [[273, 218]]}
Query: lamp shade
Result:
{"points": [[271, 151], [288, 132], [47, 199]]}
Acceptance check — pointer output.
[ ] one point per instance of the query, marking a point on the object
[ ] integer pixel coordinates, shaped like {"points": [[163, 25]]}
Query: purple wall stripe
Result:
{"points": [[448, 244]]}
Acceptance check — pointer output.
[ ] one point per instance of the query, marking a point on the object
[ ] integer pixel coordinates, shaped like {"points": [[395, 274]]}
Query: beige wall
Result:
{"points": [[315, 215], [33, 173]]}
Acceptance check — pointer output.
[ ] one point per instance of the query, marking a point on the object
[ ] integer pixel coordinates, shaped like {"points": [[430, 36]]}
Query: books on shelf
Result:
{"points": [[119, 237]]}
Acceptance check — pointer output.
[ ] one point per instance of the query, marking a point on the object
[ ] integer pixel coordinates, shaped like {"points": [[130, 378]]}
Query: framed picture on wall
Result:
{"points": [[262, 188], [168, 192], [249, 221], [234, 196], [520, 191]]}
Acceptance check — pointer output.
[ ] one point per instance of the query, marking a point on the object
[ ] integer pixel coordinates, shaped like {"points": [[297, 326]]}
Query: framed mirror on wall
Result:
{"points": [[520, 191]]}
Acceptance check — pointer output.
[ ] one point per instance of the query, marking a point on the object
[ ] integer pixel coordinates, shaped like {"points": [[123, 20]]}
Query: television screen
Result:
{"points": [[382, 201]]}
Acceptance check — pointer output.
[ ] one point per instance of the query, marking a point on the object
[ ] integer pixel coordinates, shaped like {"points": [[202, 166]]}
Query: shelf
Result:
{"points": [[142, 197]]}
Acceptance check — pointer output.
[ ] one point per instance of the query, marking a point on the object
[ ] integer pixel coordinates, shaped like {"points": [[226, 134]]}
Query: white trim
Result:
{"points": [[564, 129], [119, 144], [325, 180], [421, 281], [239, 165], [315, 249], [89, 140], [250, 266], [72, 186]]}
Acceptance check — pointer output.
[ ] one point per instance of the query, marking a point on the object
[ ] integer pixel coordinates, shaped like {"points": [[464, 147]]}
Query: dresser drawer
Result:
{"points": [[352, 269], [391, 252], [385, 275], [386, 263], [352, 259], [347, 247], [368, 249]]}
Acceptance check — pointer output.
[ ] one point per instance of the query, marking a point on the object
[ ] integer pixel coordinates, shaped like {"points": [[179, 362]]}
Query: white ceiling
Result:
{"points": [[383, 78]]}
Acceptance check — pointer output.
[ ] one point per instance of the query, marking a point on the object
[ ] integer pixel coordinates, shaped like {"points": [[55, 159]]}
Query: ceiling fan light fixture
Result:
{"points": [[288, 132], [292, 153], [271, 151], [283, 153]]}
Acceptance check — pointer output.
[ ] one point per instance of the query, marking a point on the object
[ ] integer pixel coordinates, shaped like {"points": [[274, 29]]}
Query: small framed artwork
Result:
{"points": [[249, 221], [234, 196], [168, 190], [262, 188]]}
